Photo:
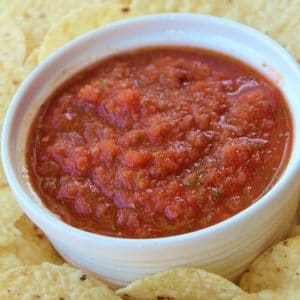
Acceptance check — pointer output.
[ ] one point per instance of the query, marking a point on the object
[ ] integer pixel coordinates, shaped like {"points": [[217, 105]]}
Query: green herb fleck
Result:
{"points": [[90, 113], [141, 183], [94, 193], [140, 178], [103, 80], [216, 192], [258, 146], [147, 103], [138, 137], [254, 128], [118, 77], [162, 105], [140, 174], [190, 181], [200, 199]]}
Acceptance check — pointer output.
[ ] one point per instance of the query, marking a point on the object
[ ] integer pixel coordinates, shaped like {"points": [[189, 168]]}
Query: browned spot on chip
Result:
{"points": [[164, 298], [27, 15], [83, 277], [285, 242], [16, 82], [125, 9], [40, 236]]}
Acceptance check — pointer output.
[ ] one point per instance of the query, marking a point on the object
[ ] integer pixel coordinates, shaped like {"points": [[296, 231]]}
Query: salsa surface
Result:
{"points": [[158, 142]]}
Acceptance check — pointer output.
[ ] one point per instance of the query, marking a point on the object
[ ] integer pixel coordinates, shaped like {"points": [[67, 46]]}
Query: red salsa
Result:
{"points": [[158, 142]]}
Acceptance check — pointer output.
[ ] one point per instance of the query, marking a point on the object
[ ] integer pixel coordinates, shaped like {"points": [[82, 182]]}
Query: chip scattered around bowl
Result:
{"points": [[48, 281], [10, 212], [276, 268], [181, 283]]}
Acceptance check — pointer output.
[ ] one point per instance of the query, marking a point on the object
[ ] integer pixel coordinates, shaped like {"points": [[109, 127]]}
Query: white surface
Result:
{"points": [[225, 248]]}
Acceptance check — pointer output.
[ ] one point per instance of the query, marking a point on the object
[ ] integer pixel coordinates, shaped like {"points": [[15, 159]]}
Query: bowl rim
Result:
{"points": [[80, 234]]}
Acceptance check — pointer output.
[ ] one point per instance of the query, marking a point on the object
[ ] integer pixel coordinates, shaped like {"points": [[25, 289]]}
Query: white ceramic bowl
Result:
{"points": [[225, 248]]}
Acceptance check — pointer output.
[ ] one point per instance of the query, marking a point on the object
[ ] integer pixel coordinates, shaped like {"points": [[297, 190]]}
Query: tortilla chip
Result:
{"points": [[212, 7], [12, 41], [35, 17], [181, 283], [277, 268], [10, 79], [289, 294], [279, 19], [8, 260], [12, 54], [81, 21], [33, 246], [265, 16], [48, 281], [31, 62], [9, 82], [6, 6], [3, 180], [10, 212]]}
